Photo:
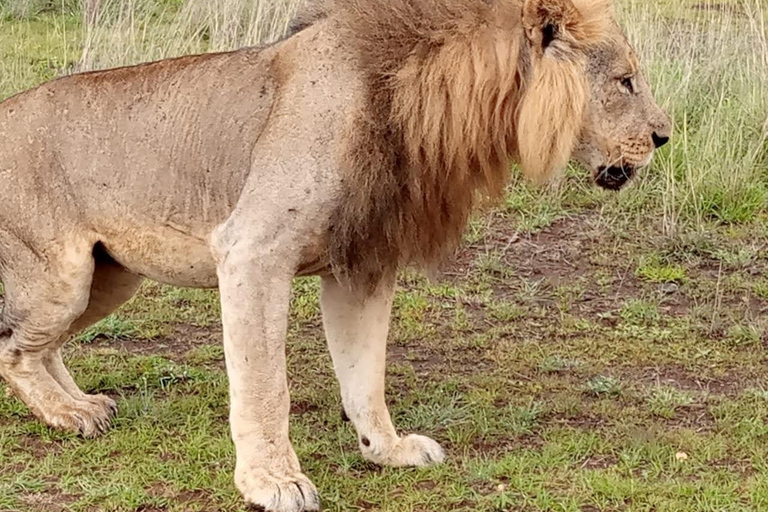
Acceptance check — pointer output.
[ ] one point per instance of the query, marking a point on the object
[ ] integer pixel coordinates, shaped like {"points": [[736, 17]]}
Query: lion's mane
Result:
{"points": [[454, 94]]}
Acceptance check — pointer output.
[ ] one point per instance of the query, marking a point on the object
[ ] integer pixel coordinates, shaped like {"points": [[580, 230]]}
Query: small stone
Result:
{"points": [[681, 456], [669, 288], [501, 487]]}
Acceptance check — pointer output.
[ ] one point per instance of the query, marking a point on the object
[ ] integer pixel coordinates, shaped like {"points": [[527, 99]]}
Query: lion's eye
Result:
{"points": [[626, 83]]}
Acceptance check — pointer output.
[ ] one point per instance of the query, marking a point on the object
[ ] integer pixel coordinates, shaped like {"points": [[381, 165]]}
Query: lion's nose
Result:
{"points": [[659, 140]]}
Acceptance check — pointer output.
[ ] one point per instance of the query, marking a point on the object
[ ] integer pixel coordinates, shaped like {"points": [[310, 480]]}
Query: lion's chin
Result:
{"points": [[614, 177]]}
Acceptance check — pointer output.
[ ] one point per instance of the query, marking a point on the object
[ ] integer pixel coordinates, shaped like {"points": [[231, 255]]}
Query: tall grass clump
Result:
{"points": [[708, 64], [123, 32]]}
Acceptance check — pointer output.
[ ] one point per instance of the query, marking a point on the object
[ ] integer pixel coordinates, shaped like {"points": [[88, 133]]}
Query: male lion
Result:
{"points": [[352, 148]]}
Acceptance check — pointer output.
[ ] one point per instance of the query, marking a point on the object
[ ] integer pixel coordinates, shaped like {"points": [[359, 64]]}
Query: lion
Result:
{"points": [[352, 148]]}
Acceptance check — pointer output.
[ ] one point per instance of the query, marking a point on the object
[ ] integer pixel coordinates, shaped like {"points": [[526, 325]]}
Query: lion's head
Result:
{"points": [[623, 125], [577, 48], [458, 89]]}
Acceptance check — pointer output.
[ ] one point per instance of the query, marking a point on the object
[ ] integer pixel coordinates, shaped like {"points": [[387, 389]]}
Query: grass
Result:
{"points": [[653, 269], [546, 398], [584, 352]]}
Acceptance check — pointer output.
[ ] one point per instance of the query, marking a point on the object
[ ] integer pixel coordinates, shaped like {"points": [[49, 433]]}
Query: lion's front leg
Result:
{"points": [[255, 294], [357, 330]]}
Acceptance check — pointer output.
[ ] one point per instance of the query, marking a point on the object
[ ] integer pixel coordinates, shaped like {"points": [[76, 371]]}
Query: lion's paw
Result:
{"points": [[412, 450], [88, 417], [267, 491]]}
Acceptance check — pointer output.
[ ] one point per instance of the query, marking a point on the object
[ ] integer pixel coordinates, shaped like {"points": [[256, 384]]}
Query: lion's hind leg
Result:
{"points": [[44, 295], [112, 285], [356, 329]]}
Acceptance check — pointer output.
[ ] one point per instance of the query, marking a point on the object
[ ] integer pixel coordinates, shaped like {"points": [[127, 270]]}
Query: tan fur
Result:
{"points": [[355, 146]]}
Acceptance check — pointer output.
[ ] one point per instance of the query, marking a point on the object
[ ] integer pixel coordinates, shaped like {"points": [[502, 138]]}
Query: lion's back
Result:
{"points": [[184, 126]]}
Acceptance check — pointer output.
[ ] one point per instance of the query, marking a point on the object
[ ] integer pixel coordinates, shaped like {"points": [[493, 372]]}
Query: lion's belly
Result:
{"points": [[164, 254]]}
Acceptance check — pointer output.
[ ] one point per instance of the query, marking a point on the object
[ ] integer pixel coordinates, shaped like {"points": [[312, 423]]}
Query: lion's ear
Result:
{"points": [[578, 22]]}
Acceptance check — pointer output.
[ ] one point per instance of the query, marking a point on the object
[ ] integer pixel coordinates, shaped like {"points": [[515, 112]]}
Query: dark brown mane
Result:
{"points": [[445, 86]]}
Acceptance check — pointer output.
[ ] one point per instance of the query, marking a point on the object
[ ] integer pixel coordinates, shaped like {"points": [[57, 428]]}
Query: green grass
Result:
{"points": [[35, 50], [652, 268], [585, 352]]}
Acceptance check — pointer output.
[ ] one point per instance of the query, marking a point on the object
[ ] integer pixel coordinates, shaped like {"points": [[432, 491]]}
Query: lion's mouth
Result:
{"points": [[614, 177]]}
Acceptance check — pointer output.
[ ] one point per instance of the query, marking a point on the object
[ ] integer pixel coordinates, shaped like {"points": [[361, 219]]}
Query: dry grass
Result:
{"points": [[708, 62], [131, 31]]}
